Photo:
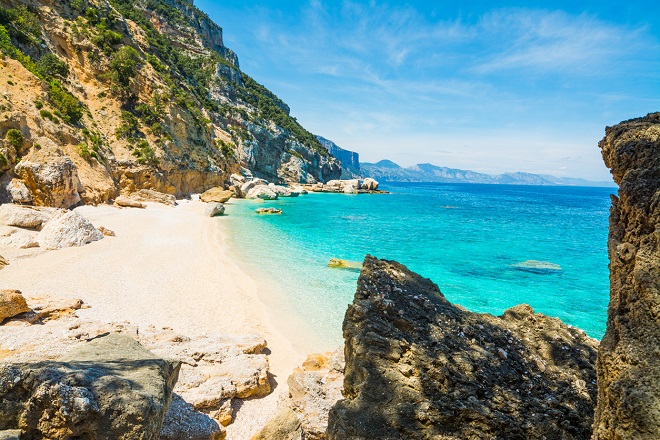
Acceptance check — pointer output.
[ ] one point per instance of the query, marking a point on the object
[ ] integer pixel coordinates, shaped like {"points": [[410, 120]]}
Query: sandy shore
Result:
{"points": [[169, 267]]}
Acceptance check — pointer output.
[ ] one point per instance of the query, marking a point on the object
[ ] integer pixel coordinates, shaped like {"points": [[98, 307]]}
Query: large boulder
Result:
{"points": [[19, 192], [12, 303], [51, 182], [127, 202], [108, 388], [247, 186], [149, 195], [214, 209], [24, 216], [217, 194], [282, 191], [19, 238], [419, 367], [369, 184], [261, 192], [629, 356], [67, 228]]}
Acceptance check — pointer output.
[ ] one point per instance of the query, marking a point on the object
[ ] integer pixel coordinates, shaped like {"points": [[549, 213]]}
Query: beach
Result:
{"points": [[167, 267]]}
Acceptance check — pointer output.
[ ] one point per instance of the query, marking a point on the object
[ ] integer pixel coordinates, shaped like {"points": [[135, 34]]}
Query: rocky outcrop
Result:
{"points": [[314, 388], [350, 160], [352, 186], [12, 303], [67, 228], [628, 360], [261, 192], [419, 367], [338, 263], [51, 180], [108, 385]]}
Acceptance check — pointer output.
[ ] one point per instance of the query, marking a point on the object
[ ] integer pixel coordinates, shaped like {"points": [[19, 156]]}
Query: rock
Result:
{"points": [[247, 186], [149, 195], [237, 180], [369, 184], [24, 216], [10, 434], [214, 209], [218, 194], [286, 425], [12, 303], [419, 367], [184, 422], [628, 365], [535, 266], [20, 238], [51, 182], [55, 308], [337, 263], [348, 189], [106, 232], [108, 385], [3, 262], [282, 191], [297, 189], [261, 192], [125, 202], [268, 211], [67, 228], [18, 192]]}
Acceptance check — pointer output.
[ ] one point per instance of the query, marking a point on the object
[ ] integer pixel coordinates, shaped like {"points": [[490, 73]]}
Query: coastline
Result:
{"points": [[169, 267]]}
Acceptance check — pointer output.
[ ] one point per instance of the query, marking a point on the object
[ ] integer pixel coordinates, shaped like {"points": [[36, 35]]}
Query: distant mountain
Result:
{"points": [[350, 160], [388, 171]]}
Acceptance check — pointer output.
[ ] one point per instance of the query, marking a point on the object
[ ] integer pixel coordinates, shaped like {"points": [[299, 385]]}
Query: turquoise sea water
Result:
{"points": [[466, 238]]}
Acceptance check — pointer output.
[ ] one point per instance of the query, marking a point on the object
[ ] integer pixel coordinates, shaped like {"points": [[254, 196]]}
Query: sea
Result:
{"points": [[487, 247]]}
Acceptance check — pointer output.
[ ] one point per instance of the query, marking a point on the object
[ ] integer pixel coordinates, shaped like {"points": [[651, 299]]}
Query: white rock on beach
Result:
{"points": [[20, 238], [214, 209], [24, 216], [67, 228]]}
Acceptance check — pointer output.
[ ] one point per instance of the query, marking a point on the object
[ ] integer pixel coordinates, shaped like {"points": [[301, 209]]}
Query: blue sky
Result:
{"points": [[482, 85]]}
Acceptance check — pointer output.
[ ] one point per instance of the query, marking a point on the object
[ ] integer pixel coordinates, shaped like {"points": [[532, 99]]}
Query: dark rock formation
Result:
{"points": [[419, 367], [109, 388], [629, 357], [350, 160]]}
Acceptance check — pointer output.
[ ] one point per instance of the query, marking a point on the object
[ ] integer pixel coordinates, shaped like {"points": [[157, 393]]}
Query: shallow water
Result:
{"points": [[469, 239]]}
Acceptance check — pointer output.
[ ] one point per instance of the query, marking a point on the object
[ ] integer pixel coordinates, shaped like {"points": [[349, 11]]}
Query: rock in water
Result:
{"points": [[67, 228], [337, 263], [535, 266], [629, 357], [418, 367], [268, 211], [261, 192], [214, 209], [110, 387], [12, 303]]}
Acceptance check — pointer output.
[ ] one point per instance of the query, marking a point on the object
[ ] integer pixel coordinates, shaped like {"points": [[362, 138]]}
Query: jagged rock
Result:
{"points": [[282, 191], [183, 422], [110, 385], [369, 184], [3, 262], [12, 303], [52, 181], [418, 367], [261, 192], [125, 202], [628, 364], [344, 264], [214, 209], [106, 232], [24, 216], [218, 194], [268, 211], [149, 195], [19, 192], [67, 228]]}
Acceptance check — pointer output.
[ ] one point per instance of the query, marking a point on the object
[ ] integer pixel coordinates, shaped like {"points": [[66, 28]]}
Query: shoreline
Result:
{"points": [[170, 267]]}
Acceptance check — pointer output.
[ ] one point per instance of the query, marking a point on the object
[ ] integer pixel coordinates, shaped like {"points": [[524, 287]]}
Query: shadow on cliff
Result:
{"points": [[419, 367]]}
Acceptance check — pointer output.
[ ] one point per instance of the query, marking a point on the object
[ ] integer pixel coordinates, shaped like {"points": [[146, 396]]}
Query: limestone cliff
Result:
{"points": [[99, 97], [629, 357], [419, 367], [350, 160]]}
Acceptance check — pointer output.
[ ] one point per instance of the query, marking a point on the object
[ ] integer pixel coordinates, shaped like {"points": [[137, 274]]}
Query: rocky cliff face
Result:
{"points": [[629, 357], [350, 160], [99, 97], [419, 367]]}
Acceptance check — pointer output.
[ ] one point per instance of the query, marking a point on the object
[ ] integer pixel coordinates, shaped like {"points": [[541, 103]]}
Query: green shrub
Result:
{"points": [[15, 137], [144, 153], [50, 65], [124, 65], [3, 161], [129, 126], [46, 114], [23, 22], [106, 40], [65, 102], [84, 151], [39, 104]]}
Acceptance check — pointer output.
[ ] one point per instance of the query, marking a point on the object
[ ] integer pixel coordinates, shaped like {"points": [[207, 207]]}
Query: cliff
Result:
{"points": [[419, 367], [101, 97], [350, 160], [629, 358]]}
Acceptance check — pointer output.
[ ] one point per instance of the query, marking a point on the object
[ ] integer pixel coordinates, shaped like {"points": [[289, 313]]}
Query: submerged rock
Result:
{"points": [[628, 360], [535, 266], [110, 385], [344, 264], [268, 211], [419, 367]]}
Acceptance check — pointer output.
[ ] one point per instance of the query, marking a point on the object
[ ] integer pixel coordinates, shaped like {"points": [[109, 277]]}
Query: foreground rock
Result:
{"points": [[67, 228], [217, 194], [214, 209], [108, 385], [628, 360], [24, 216], [12, 303], [52, 180], [313, 389], [418, 367]]}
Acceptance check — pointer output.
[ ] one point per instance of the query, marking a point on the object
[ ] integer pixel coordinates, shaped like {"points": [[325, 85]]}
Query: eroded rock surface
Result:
{"points": [[12, 303], [629, 356], [419, 367], [67, 228]]}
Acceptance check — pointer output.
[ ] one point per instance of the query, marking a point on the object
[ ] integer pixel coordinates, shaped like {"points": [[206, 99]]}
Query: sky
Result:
{"points": [[483, 85]]}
